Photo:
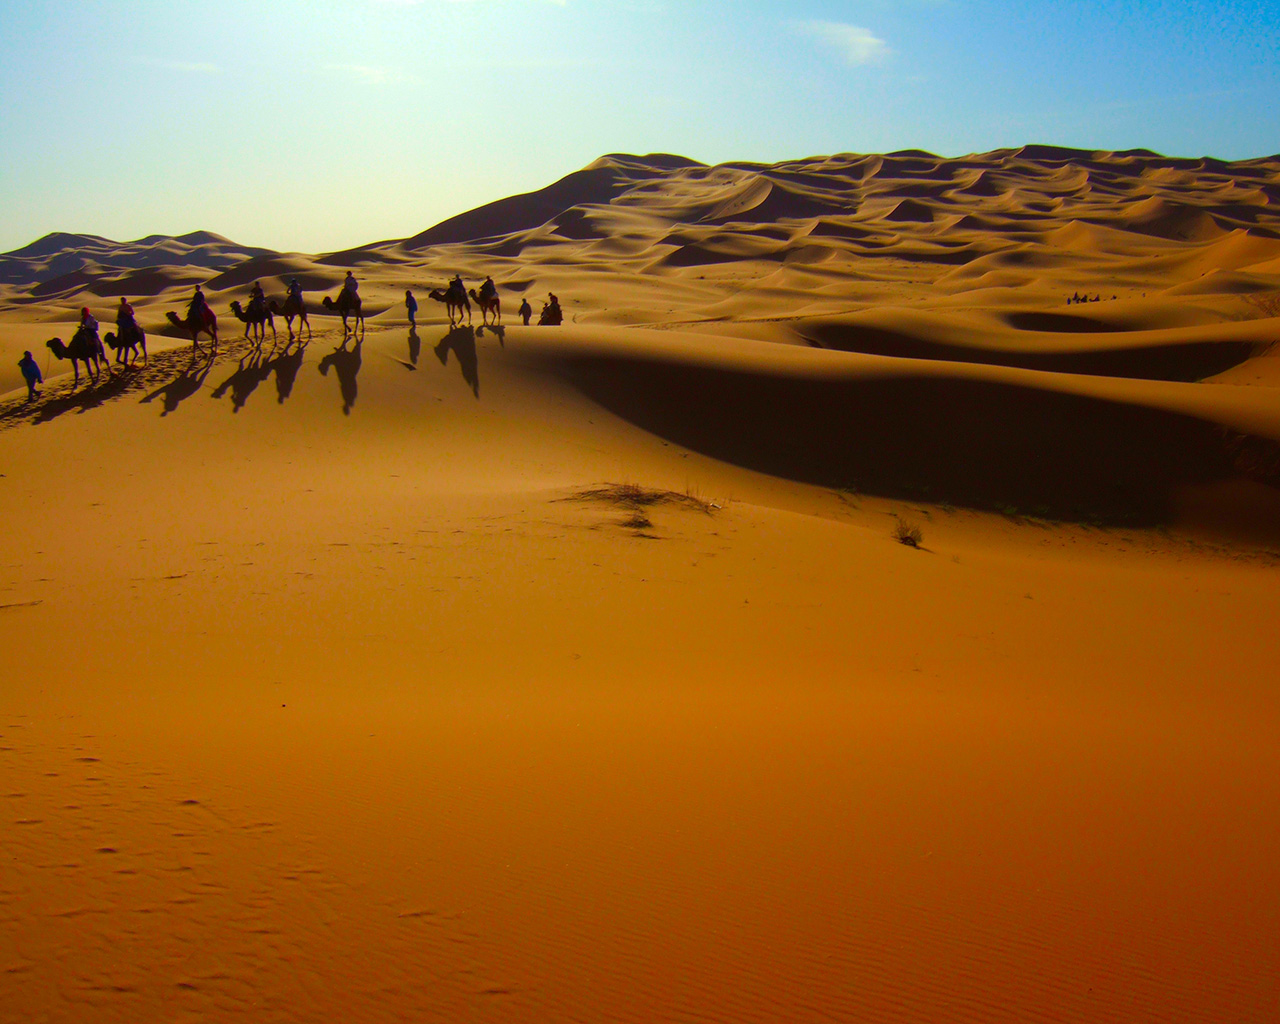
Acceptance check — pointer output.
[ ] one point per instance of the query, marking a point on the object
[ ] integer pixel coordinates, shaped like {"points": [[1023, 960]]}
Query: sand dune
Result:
{"points": [[505, 673]]}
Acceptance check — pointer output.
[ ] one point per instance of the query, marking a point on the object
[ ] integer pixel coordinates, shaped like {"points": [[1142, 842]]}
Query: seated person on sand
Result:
{"points": [[551, 314]]}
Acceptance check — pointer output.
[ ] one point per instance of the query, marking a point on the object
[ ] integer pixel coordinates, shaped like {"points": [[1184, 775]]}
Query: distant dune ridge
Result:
{"points": [[863, 608], [1068, 264]]}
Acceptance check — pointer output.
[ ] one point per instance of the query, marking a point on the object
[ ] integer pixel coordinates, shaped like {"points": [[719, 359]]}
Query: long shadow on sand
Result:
{"points": [[461, 341], [183, 386], [286, 367], [252, 371], [109, 385], [978, 444], [345, 363]]}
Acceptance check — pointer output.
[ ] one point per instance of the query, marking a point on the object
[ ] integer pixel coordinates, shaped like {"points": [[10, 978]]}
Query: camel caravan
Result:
{"points": [[129, 341]]}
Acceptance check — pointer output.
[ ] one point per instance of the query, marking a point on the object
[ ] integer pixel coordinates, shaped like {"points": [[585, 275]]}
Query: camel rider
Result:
{"points": [[457, 288], [87, 322], [488, 290], [124, 316], [295, 292], [350, 289], [198, 310], [257, 299]]}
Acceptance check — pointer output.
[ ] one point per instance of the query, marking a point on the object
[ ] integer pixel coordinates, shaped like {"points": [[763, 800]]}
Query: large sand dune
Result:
{"points": [[577, 674]]}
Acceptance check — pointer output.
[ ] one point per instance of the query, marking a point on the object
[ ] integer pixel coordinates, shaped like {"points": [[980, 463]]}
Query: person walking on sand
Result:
{"points": [[30, 373], [526, 311], [411, 307]]}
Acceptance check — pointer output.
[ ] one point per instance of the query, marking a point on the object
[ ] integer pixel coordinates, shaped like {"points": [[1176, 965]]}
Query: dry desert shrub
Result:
{"points": [[908, 534]]}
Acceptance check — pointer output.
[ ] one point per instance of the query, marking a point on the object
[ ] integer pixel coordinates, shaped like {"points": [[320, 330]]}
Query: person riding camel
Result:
{"points": [[198, 309], [87, 322], [488, 290], [457, 289], [350, 288], [124, 315], [295, 292], [257, 300]]}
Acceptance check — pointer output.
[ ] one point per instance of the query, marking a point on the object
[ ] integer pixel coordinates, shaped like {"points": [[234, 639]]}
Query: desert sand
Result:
{"points": [[578, 673]]}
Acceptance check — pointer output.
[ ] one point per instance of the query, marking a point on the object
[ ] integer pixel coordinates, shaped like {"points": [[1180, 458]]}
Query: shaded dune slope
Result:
{"points": [[977, 443]]}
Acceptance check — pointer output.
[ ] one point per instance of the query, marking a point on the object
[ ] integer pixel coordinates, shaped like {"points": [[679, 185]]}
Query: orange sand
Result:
{"points": [[408, 713]]}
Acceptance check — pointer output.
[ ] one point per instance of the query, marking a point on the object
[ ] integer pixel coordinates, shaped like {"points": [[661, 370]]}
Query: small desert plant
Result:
{"points": [[908, 534]]}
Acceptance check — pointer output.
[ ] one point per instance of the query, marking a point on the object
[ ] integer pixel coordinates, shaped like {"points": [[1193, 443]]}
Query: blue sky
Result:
{"points": [[314, 125]]}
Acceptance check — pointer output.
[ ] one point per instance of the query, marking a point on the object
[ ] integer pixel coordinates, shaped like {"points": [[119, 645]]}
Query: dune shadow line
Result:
{"points": [[979, 444]]}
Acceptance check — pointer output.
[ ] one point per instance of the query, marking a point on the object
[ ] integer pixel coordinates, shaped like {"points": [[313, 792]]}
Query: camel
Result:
{"points": [[490, 306], [85, 347], [347, 305], [452, 303], [132, 338], [292, 308], [256, 322], [208, 324]]}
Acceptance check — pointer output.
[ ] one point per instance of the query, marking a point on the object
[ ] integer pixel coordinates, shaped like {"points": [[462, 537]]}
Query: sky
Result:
{"points": [[317, 125]]}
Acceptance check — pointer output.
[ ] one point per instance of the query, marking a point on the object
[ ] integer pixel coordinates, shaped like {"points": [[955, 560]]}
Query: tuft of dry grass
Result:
{"points": [[637, 498], [908, 534]]}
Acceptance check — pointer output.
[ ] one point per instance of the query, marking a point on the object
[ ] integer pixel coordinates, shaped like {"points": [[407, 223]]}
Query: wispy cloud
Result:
{"points": [[857, 45]]}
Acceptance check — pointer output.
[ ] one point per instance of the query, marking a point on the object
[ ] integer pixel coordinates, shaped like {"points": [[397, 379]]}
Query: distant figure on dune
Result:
{"points": [[551, 315], [411, 307], [30, 373], [526, 311]]}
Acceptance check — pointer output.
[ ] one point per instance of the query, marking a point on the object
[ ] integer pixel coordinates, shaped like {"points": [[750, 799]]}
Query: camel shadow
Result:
{"points": [[91, 397], [462, 342], [346, 365], [497, 329], [244, 382], [183, 386], [286, 366]]}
